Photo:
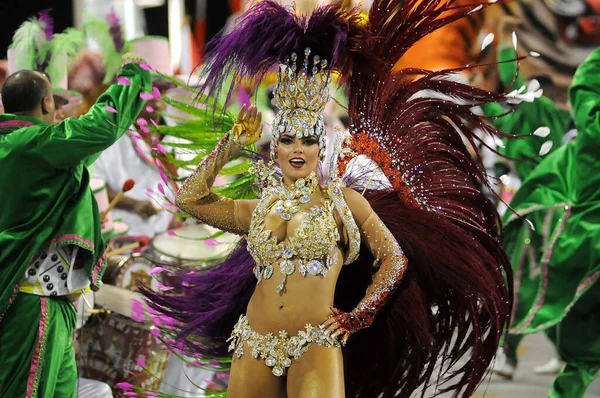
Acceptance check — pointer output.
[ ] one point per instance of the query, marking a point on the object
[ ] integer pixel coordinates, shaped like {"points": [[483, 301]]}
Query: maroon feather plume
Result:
{"points": [[438, 199]]}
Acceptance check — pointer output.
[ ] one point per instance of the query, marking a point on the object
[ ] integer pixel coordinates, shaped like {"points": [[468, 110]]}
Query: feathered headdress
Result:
{"points": [[108, 33], [36, 47]]}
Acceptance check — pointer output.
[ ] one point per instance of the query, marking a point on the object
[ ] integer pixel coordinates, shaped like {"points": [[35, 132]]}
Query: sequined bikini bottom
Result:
{"points": [[277, 350]]}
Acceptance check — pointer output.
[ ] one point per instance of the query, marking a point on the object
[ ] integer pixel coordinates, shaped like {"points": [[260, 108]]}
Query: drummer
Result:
{"points": [[131, 157]]}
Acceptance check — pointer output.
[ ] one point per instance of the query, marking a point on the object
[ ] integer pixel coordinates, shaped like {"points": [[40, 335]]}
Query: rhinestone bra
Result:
{"points": [[313, 244]]}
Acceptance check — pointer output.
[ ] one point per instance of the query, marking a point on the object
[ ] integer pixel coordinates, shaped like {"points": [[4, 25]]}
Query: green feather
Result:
{"points": [[203, 129], [98, 30], [30, 45], [64, 47]]}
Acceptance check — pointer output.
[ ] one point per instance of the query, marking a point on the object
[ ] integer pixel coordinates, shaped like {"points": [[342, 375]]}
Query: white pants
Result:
{"points": [[88, 388]]}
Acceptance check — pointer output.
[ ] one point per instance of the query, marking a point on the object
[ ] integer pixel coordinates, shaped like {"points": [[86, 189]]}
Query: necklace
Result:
{"points": [[289, 200]]}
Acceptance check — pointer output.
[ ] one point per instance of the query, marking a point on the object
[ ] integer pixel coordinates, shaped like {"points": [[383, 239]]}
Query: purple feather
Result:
{"points": [[115, 30], [47, 23], [211, 304], [268, 33]]}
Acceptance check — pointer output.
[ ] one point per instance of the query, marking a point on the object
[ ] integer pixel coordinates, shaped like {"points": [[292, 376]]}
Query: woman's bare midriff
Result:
{"points": [[305, 300]]}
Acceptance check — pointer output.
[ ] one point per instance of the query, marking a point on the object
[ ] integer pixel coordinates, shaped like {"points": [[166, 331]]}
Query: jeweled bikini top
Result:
{"points": [[314, 242]]}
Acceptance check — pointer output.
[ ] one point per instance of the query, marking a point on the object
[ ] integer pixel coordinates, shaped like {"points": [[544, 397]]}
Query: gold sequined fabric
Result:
{"points": [[335, 193], [196, 199], [313, 249], [390, 260], [277, 350]]}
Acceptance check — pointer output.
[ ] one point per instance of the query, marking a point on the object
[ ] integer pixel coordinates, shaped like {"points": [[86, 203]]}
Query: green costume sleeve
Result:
{"points": [[82, 139], [525, 119], [584, 95]]}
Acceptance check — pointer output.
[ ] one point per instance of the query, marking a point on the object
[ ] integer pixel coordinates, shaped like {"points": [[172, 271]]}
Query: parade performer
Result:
{"points": [[543, 126], [557, 262], [345, 294], [50, 231]]}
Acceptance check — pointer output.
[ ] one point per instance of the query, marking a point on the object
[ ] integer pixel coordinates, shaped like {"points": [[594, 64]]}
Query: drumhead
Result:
{"points": [[187, 245], [134, 271]]}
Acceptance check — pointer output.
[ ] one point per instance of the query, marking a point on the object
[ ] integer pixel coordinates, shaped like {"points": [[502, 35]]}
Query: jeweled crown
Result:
{"points": [[301, 96]]}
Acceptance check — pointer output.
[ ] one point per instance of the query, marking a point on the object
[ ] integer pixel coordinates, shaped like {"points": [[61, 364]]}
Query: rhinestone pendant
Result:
{"points": [[268, 272], [287, 267], [287, 253], [315, 267], [302, 269], [277, 371], [286, 216], [304, 199], [257, 273], [281, 287], [239, 350]]}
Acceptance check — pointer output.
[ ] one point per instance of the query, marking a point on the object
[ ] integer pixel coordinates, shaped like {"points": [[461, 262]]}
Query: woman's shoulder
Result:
{"points": [[359, 206]]}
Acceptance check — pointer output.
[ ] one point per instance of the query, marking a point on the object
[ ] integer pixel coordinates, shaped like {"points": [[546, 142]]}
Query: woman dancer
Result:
{"points": [[408, 278]]}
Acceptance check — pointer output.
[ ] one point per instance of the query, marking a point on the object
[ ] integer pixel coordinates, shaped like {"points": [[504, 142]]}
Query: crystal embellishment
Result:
{"points": [[287, 267], [268, 271], [277, 349], [311, 247], [315, 267]]}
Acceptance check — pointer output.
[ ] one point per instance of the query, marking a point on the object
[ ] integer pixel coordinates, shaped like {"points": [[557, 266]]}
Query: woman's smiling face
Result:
{"points": [[297, 157]]}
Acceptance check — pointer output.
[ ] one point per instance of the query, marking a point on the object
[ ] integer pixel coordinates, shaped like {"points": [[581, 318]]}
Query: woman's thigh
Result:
{"points": [[317, 373], [250, 377]]}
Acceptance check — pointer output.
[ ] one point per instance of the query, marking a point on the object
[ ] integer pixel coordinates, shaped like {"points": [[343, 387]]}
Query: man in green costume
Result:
{"points": [[50, 241], [557, 258], [551, 123]]}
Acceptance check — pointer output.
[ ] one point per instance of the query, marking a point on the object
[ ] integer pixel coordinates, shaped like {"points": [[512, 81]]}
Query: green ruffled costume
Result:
{"points": [[557, 264], [46, 198]]}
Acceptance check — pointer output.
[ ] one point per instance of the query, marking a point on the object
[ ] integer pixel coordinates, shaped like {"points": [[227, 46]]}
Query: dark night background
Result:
{"points": [[15, 12]]}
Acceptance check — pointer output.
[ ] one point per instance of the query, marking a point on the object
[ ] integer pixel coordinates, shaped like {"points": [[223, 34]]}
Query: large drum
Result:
{"points": [[112, 346], [131, 272], [194, 246], [113, 349]]}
